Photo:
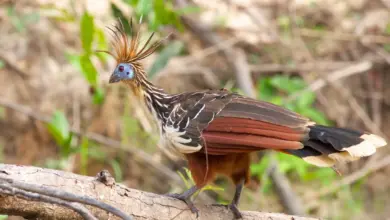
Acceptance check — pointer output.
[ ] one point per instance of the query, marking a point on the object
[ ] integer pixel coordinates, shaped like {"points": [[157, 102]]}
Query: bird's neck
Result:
{"points": [[156, 100]]}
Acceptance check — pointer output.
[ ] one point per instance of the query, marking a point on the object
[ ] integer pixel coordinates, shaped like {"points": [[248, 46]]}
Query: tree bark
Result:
{"points": [[137, 204]]}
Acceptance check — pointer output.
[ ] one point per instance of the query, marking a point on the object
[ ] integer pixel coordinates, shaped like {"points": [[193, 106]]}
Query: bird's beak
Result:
{"points": [[114, 78]]}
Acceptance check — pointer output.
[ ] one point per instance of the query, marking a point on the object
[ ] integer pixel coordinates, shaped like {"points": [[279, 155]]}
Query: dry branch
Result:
{"points": [[137, 204]]}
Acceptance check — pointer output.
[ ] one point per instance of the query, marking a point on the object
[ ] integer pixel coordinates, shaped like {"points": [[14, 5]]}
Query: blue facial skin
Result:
{"points": [[123, 71]]}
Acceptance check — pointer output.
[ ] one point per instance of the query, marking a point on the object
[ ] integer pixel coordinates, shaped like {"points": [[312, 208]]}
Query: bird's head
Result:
{"points": [[122, 72], [128, 54]]}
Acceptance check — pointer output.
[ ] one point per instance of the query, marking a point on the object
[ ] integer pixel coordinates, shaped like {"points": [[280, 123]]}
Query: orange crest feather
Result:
{"points": [[127, 50]]}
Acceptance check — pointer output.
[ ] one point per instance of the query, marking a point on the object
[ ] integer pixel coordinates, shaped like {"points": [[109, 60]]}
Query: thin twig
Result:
{"points": [[65, 196], [7, 189]]}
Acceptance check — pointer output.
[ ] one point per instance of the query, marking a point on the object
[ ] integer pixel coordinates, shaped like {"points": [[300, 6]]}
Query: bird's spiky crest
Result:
{"points": [[127, 50]]}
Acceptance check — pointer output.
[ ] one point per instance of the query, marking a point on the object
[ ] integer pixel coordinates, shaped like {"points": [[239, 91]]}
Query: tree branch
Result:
{"points": [[135, 203]]}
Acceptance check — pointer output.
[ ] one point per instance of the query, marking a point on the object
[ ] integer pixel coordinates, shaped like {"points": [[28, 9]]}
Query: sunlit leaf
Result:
{"points": [[315, 115], [171, 50], [87, 31], [59, 127], [265, 89], [118, 174], [306, 99], [88, 69], [287, 84], [145, 6], [98, 96]]}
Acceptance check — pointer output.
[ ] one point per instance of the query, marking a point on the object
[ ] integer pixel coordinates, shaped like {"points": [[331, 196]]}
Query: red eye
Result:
{"points": [[121, 68]]}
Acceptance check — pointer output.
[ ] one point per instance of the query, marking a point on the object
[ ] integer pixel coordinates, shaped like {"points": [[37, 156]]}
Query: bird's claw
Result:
{"points": [[187, 200], [233, 207]]}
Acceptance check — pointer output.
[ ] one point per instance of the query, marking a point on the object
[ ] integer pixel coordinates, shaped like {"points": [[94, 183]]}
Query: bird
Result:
{"points": [[216, 130]]}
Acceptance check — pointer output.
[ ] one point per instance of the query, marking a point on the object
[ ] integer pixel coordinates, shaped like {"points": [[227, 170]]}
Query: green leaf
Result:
{"points": [[98, 96], [117, 170], [144, 7], [287, 84], [59, 128], [117, 13], [306, 99], [87, 31], [3, 217], [66, 148], [315, 115], [88, 69], [173, 49], [100, 39], [1, 64], [165, 15], [265, 89], [261, 167]]}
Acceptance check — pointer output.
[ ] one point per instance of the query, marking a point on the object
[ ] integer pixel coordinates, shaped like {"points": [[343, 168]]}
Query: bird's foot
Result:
{"points": [[185, 199], [233, 207]]}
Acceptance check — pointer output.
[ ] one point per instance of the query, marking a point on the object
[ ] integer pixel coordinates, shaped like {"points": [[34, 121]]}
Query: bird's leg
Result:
{"points": [[186, 197], [233, 205]]}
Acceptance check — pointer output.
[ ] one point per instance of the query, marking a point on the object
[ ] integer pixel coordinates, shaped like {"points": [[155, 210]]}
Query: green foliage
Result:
{"points": [[87, 32], [277, 89], [159, 13], [90, 36], [3, 217], [88, 69], [1, 64], [84, 156], [171, 50], [118, 174], [59, 129]]}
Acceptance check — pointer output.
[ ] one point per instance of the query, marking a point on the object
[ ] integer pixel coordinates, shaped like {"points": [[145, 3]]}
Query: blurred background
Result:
{"points": [[326, 59]]}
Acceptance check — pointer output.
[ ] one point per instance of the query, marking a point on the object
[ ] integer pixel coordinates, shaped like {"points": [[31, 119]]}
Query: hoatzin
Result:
{"points": [[216, 130]]}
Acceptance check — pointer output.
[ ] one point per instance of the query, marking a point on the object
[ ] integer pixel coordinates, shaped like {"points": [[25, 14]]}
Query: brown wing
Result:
{"points": [[246, 125]]}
